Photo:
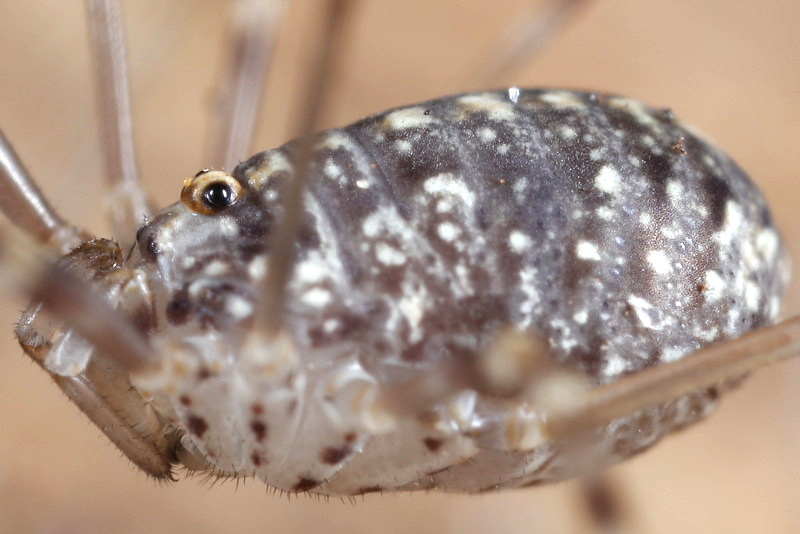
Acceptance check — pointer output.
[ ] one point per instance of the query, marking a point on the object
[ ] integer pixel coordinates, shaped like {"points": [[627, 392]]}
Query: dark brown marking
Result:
{"points": [[256, 458], [179, 308], [368, 489], [185, 400], [204, 373], [334, 455], [259, 428], [197, 425], [305, 484], [143, 318], [350, 437], [433, 444]]}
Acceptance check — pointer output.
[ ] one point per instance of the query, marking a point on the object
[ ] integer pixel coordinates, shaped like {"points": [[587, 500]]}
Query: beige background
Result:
{"points": [[730, 68]]}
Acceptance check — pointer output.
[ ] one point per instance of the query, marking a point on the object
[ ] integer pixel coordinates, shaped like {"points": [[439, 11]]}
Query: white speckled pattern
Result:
{"points": [[596, 223]]}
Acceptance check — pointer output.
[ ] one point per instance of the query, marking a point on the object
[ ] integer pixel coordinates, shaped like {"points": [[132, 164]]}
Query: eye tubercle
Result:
{"points": [[210, 192]]}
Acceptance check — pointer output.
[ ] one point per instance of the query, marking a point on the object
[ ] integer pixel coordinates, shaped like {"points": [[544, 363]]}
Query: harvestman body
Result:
{"points": [[593, 222], [551, 232]]}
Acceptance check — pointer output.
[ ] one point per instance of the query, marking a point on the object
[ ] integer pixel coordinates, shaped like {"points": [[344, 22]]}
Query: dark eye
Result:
{"points": [[211, 192], [218, 196]]}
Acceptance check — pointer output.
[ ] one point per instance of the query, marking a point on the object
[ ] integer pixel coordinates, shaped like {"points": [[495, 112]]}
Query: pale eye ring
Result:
{"points": [[211, 192]]}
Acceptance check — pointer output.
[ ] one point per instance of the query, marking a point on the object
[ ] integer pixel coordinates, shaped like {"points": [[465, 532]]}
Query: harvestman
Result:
{"points": [[505, 372]]}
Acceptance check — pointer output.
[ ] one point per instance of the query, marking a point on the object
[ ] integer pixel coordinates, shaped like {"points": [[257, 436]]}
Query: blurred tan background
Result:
{"points": [[731, 68]]}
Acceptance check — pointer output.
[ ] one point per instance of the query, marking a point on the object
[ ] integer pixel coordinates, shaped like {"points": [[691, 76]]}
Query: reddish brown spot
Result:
{"points": [[334, 455], [204, 373], [143, 318], [414, 353], [368, 489], [179, 307], [305, 484], [197, 425], [350, 437], [433, 444], [256, 459], [259, 428], [257, 408], [185, 400]]}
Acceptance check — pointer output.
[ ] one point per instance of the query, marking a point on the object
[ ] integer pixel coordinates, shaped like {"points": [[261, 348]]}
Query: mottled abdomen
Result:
{"points": [[601, 225]]}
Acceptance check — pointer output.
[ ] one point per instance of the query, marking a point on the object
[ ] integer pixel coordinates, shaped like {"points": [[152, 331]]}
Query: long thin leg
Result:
{"points": [[26, 207], [254, 27], [27, 270], [128, 202], [715, 364], [525, 37], [102, 387], [281, 260]]}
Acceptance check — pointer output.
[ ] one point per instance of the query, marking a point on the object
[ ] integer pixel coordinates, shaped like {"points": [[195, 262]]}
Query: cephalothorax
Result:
{"points": [[599, 226]]}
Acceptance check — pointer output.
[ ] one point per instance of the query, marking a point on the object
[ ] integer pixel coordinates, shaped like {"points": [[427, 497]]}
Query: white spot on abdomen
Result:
{"points": [[714, 286], [407, 118], [519, 242], [316, 297], [659, 262], [496, 109], [586, 250], [608, 180], [389, 255], [487, 135], [448, 231]]}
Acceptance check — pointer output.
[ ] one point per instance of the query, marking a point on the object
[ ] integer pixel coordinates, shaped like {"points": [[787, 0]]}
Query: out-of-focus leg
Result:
{"points": [[712, 365], [269, 314], [253, 31], [526, 36], [128, 203], [26, 207]]}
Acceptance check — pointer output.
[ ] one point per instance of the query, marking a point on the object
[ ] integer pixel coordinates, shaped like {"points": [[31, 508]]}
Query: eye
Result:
{"points": [[210, 192], [218, 195]]}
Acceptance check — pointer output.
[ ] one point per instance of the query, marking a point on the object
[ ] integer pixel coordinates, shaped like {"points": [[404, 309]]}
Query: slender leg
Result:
{"points": [[709, 366], [100, 386], [254, 27], [525, 37], [128, 203], [26, 269], [559, 404], [281, 258], [25, 206]]}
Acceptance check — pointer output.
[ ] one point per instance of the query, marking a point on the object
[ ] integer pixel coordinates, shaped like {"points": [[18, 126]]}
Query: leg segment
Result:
{"points": [[281, 259], [703, 369], [254, 26], [25, 206], [128, 203], [528, 35], [95, 376]]}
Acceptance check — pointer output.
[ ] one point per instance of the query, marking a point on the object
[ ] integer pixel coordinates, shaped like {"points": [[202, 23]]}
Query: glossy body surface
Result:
{"points": [[595, 223]]}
